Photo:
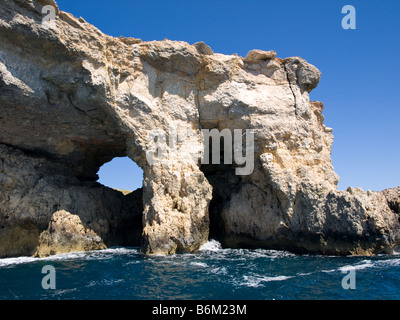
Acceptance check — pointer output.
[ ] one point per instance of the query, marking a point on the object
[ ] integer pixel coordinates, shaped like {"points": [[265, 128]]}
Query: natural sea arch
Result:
{"points": [[121, 173]]}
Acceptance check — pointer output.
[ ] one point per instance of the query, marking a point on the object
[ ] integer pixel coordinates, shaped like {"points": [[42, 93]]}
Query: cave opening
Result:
{"points": [[121, 174], [225, 183], [125, 178]]}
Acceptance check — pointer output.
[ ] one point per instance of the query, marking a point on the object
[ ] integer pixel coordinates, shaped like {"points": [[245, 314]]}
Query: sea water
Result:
{"points": [[211, 273]]}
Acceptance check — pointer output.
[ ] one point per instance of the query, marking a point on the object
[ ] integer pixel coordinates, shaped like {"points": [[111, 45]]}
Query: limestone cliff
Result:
{"points": [[73, 98]]}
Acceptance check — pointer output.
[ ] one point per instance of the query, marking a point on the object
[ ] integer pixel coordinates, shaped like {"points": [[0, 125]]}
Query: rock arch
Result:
{"points": [[72, 98]]}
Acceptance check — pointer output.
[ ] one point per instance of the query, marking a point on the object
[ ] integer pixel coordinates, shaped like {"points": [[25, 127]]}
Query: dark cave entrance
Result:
{"points": [[225, 182], [125, 179]]}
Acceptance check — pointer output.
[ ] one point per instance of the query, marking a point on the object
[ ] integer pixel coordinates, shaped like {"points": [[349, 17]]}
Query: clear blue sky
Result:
{"points": [[360, 68]]}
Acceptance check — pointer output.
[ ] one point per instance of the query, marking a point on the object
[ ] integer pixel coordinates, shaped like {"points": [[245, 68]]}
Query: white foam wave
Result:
{"points": [[109, 253], [366, 264], [219, 270], [212, 245], [85, 255], [256, 281], [389, 263], [199, 264], [363, 265], [119, 250], [64, 256], [243, 254], [7, 262], [264, 253], [304, 273], [15, 261]]}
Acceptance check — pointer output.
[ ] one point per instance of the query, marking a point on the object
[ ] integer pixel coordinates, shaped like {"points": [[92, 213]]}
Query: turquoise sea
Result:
{"points": [[212, 273]]}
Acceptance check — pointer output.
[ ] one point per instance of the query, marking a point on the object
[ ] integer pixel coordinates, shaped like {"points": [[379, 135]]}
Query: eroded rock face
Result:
{"points": [[33, 188], [72, 98], [66, 233]]}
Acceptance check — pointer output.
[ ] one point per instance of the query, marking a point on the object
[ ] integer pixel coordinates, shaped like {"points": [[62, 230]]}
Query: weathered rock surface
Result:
{"points": [[73, 98], [393, 199], [66, 233], [33, 188]]}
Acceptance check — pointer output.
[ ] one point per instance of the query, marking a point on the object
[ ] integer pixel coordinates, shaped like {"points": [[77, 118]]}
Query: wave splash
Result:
{"points": [[211, 245]]}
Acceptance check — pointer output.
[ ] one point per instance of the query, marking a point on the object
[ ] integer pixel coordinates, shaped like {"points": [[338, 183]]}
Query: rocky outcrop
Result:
{"points": [[73, 98], [66, 233], [393, 199], [345, 222]]}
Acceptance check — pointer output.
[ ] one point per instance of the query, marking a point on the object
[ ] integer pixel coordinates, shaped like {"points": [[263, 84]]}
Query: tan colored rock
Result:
{"points": [[203, 48], [73, 98], [393, 199], [259, 55], [66, 233]]}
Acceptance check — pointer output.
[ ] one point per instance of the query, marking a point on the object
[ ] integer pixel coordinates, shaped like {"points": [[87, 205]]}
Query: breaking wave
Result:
{"points": [[212, 245]]}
